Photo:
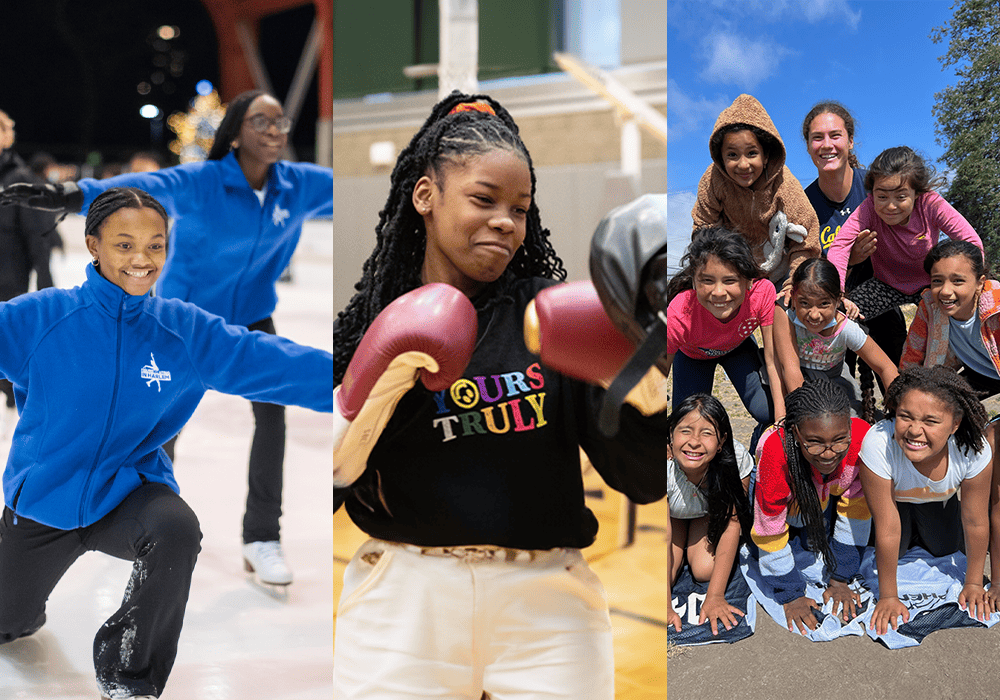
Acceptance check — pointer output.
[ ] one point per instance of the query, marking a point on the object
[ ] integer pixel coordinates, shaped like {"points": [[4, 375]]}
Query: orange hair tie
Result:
{"points": [[473, 107]]}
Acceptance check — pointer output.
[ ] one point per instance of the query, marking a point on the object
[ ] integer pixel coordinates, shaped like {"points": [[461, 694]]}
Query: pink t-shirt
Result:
{"points": [[898, 259], [692, 329]]}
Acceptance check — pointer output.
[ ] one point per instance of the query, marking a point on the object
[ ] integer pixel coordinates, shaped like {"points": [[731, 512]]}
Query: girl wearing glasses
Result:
{"points": [[237, 219], [809, 473]]}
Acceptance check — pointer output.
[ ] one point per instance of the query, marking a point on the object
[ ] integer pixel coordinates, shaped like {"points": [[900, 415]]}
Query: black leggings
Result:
{"points": [[874, 297], [266, 469], [935, 526], [156, 530]]}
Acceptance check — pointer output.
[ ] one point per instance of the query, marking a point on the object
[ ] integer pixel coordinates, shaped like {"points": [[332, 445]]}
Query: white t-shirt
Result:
{"points": [[883, 455], [685, 500]]}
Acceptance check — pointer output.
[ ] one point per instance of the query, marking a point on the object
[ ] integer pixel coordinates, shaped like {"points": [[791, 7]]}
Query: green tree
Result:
{"points": [[968, 116]]}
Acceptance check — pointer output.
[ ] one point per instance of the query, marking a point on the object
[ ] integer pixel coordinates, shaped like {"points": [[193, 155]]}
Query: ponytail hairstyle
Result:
{"points": [[722, 487], [232, 122], [459, 127], [835, 108], [111, 200], [903, 161], [945, 384], [814, 399], [728, 246]]}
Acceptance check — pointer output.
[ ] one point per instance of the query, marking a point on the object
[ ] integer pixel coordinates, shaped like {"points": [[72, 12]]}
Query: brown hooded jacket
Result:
{"points": [[721, 201]]}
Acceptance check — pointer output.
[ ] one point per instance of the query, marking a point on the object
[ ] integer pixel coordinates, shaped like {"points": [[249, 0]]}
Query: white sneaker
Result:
{"points": [[268, 561]]}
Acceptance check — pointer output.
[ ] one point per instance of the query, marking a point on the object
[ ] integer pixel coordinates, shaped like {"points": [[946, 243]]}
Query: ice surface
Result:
{"points": [[238, 642]]}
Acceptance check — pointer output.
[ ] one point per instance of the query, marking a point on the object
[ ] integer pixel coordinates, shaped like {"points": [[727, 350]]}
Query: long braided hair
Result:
{"points": [[722, 487], [945, 384], [814, 399], [393, 268]]}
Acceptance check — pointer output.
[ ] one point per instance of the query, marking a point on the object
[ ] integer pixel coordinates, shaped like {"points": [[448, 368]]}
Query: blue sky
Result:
{"points": [[874, 56]]}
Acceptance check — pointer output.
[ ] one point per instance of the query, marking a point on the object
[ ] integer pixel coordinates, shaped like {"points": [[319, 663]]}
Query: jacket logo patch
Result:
{"points": [[152, 373], [279, 215]]}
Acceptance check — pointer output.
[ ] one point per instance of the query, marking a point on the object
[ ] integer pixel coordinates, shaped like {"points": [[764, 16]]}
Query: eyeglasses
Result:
{"points": [[816, 450], [260, 123]]}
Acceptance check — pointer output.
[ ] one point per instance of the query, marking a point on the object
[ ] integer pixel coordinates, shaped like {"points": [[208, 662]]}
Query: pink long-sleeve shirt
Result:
{"points": [[898, 259]]}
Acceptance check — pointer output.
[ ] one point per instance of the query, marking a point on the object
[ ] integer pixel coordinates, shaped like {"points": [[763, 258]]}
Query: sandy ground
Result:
{"points": [[775, 663], [239, 641]]}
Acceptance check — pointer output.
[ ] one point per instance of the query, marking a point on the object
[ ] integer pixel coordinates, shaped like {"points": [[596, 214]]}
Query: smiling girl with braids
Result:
{"points": [[932, 443], [808, 473], [104, 374], [472, 583]]}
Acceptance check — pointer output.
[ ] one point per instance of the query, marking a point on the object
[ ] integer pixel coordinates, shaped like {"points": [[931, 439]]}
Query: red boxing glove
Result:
{"points": [[429, 332], [567, 326]]}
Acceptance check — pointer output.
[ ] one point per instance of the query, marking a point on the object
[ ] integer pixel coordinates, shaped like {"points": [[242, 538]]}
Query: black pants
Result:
{"points": [[154, 528], [934, 526], [265, 473]]}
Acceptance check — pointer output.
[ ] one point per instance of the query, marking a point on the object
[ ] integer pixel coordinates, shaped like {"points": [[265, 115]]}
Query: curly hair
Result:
{"points": [[394, 266], [723, 487], [945, 384], [728, 246]]}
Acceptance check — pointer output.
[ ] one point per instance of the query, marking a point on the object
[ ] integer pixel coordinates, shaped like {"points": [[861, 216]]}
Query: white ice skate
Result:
{"points": [[268, 561]]}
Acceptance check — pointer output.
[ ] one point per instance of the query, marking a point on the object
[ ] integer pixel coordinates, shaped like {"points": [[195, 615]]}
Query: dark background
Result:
{"points": [[69, 71]]}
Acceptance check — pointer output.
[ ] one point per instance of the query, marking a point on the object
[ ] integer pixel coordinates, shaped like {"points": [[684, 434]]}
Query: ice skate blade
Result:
{"points": [[278, 591]]}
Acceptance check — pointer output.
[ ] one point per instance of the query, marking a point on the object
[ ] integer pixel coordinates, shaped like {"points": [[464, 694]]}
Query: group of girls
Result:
{"points": [[905, 472], [472, 573]]}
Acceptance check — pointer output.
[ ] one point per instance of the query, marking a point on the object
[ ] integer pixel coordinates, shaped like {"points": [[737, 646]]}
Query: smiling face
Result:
{"points": [[829, 436], [694, 443], [475, 215], [829, 144], [720, 288], [955, 287], [894, 199], [923, 425], [743, 157], [261, 148], [131, 248], [814, 307]]}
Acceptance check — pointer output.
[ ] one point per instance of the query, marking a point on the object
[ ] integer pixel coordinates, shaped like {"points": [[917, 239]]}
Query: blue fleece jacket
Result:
{"points": [[227, 250], [102, 379]]}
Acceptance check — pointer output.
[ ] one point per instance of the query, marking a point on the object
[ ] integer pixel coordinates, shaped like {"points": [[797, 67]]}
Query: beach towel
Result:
{"points": [[929, 587], [687, 597], [816, 575]]}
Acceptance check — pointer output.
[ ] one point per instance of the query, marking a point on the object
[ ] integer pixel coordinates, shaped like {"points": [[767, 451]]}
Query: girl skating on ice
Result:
{"points": [[104, 374], [237, 220], [480, 481]]}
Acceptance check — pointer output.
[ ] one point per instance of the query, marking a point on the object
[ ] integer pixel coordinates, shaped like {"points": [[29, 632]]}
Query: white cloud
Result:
{"points": [[811, 11], [740, 61], [687, 114]]}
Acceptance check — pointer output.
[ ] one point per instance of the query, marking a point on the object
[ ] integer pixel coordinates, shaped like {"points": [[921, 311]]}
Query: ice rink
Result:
{"points": [[239, 642]]}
